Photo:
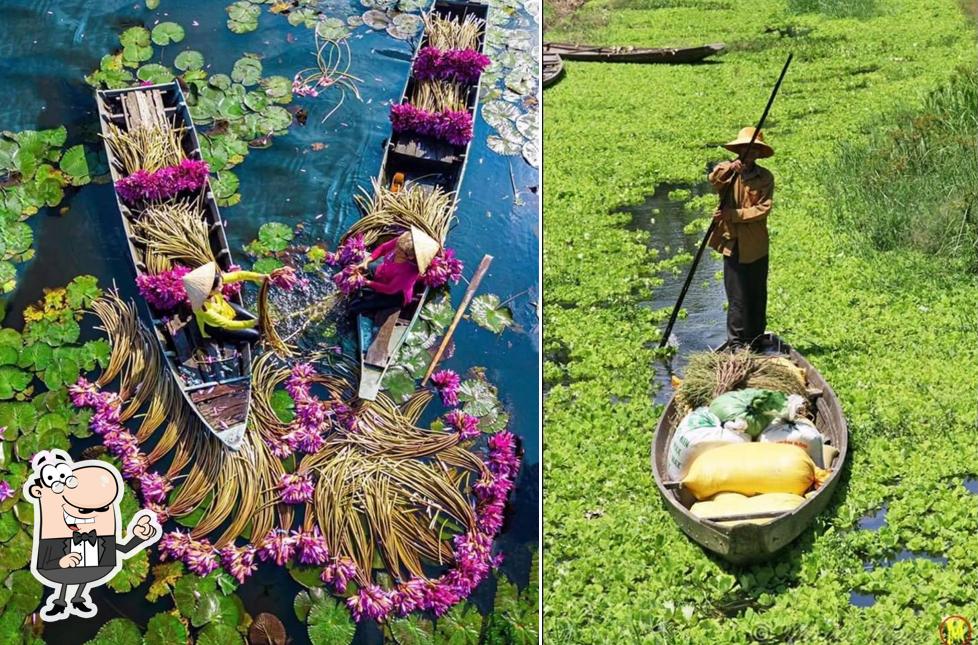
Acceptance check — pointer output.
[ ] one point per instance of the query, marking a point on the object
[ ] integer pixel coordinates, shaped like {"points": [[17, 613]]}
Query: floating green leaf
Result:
{"points": [[25, 591], [189, 59], [278, 88], [332, 29], [165, 629], [398, 383], [131, 575], [304, 600], [166, 33], [267, 265], [154, 73], [221, 82], [275, 236], [138, 36], [243, 17], [118, 631], [330, 623], [219, 634], [82, 291], [246, 71], [488, 313]]}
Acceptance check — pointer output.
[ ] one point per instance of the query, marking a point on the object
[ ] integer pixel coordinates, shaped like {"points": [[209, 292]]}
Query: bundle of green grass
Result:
{"points": [[710, 374]]}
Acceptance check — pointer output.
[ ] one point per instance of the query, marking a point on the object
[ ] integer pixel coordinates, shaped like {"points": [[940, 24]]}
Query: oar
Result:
{"points": [[723, 196], [476, 279]]}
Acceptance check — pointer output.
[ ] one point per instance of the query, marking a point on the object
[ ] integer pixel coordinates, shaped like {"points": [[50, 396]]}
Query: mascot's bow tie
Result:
{"points": [[87, 536]]}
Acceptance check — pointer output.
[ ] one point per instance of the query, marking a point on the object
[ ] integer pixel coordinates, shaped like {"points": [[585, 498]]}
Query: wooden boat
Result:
{"points": [[411, 159], [553, 67], [598, 54], [748, 542], [214, 377]]}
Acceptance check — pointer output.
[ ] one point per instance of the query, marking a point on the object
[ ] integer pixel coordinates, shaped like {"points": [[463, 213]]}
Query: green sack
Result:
{"points": [[749, 410]]}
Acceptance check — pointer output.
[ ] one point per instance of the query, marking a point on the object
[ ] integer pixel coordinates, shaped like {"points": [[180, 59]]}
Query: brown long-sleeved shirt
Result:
{"points": [[751, 197]]}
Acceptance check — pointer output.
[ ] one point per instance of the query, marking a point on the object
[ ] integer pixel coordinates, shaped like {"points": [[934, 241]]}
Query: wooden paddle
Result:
{"points": [[723, 196], [476, 279]]}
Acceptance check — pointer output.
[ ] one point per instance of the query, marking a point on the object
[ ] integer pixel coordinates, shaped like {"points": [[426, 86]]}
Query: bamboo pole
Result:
{"points": [[476, 279]]}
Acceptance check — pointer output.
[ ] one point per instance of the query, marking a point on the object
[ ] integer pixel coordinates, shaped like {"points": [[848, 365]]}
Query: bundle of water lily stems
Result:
{"points": [[368, 484], [452, 33], [710, 374], [389, 213]]}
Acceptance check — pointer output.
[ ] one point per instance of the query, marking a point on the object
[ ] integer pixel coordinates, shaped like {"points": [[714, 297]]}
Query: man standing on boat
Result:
{"points": [[741, 237]]}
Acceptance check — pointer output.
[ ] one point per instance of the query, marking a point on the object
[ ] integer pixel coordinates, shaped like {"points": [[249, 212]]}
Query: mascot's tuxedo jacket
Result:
{"points": [[50, 551]]}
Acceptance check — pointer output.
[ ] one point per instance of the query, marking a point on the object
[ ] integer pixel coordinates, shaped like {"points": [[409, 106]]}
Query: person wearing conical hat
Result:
{"points": [[741, 236], [405, 258], [217, 317]]}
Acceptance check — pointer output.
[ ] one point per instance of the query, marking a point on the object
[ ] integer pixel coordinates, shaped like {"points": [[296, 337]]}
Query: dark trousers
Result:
{"points": [[250, 336], [746, 287], [369, 301]]}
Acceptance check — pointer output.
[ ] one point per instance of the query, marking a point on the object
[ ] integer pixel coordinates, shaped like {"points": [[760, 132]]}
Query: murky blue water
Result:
{"points": [[873, 521], [47, 46]]}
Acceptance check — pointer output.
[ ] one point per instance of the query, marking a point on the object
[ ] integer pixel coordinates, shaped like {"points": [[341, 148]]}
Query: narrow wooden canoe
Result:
{"points": [[553, 68], [428, 163], [598, 54], [215, 378], [746, 543]]}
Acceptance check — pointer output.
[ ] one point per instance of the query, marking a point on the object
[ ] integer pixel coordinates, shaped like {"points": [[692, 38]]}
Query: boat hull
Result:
{"points": [[747, 543], [664, 55]]}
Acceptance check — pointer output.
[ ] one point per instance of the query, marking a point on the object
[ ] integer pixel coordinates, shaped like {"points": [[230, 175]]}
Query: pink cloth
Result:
{"points": [[392, 276]]}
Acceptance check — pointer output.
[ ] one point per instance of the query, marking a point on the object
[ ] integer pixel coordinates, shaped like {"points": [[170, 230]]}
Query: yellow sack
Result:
{"points": [[751, 469], [735, 504]]}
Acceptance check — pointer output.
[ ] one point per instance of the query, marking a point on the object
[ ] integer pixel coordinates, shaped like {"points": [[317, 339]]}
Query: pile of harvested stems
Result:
{"points": [[148, 147], [710, 374], [368, 484], [440, 96], [175, 232], [451, 33], [388, 213]]}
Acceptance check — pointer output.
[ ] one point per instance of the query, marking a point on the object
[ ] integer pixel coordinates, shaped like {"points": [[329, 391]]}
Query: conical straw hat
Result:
{"points": [[425, 248], [743, 138], [199, 283]]}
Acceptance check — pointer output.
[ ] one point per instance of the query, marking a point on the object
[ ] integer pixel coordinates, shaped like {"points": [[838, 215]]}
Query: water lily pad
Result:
{"points": [[74, 163], [154, 73], [503, 147], [166, 33], [26, 592], [267, 265], [478, 397], [266, 629], [275, 118], [354, 21], [332, 29], [189, 59], [219, 634], [399, 384], [376, 19], [488, 313], [529, 125], [278, 88], [132, 55], [439, 313], [246, 71], [304, 600], [283, 405], [13, 380], [275, 236], [138, 36], [329, 623], [405, 26], [495, 113], [225, 187], [131, 575], [382, 5], [118, 631], [81, 291], [411, 5], [243, 17], [165, 629], [220, 81], [305, 16], [256, 101], [307, 576]]}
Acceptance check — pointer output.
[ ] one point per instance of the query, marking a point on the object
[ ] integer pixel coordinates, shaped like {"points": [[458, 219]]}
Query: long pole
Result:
{"points": [[723, 196], [476, 279]]}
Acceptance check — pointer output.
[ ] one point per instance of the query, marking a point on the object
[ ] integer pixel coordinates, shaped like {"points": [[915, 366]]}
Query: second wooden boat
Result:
{"points": [[214, 377], [748, 542], [598, 54], [424, 162], [553, 68]]}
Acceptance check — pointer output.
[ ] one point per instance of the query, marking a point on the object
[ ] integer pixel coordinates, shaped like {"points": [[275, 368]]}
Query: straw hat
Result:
{"points": [[425, 248], [199, 283], [743, 138]]}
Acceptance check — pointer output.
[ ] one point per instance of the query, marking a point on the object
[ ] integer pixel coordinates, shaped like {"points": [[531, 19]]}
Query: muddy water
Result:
{"points": [[703, 327]]}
